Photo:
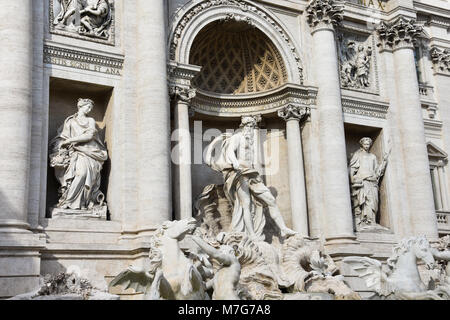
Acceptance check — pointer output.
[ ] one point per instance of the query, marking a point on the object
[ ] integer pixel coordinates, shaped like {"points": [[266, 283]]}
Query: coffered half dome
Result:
{"points": [[236, 58]]}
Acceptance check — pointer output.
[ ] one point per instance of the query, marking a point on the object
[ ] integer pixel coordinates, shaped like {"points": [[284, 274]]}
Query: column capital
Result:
{"points": [[401, 33], [440, 59], [293, 112], [324, 14], [181, 93]]}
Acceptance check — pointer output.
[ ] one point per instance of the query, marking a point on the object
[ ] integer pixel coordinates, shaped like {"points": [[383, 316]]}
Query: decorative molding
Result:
{"points": [[262, 103], [294, 112], [181, 93], [243, 5], [436, 153], [82, 60], [324, 14], [104, 34], [180, 77], [365, 108], [441, 60], [402, 33]]}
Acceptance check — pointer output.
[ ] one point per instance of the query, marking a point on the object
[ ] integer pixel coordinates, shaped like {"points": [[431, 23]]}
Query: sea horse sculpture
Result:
{"points": [[172, 275], [400, 279]]}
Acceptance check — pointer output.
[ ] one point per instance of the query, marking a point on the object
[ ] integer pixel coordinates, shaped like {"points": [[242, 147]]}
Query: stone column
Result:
{"points": [[437, 185], [293, 115], [20, 258], [322, 16], [182, 155], [443, 185], [400, 36], [153, 108], [16, 51]]}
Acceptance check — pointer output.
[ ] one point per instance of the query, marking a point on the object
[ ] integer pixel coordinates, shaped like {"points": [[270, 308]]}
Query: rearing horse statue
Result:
{"points": [[401, 278]]}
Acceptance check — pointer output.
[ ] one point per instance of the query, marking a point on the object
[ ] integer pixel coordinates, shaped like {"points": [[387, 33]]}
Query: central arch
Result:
{"points": [[194, 17], [236, 59]]}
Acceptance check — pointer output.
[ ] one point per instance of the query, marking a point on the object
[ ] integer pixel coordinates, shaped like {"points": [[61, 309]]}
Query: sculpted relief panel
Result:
{"points": [[86, 19], [357, 65]]}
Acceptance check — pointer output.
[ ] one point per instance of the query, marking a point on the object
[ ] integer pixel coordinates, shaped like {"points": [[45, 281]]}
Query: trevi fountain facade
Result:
{"points": [[225, 149]]}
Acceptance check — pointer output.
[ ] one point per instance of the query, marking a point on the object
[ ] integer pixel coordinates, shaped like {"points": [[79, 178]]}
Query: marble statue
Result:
{"points": [[78, 154], [400, 279], [185, 263], [365, 176], [172, 275], [67, 8], [244, 186], [226, 280], [96, 18]]}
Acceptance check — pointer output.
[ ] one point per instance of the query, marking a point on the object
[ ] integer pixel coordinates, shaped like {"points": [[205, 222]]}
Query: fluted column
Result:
{"points": [[16, 52], [154, 186], [322, 16], [293, 115], [182, 153], [399, 36]]}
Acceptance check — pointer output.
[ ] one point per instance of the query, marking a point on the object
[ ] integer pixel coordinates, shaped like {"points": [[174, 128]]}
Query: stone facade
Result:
{"points": [[166, 77]]}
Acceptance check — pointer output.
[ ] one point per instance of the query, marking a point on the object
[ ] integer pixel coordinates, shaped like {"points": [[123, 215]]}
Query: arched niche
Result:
{"points": [[194, 17]]}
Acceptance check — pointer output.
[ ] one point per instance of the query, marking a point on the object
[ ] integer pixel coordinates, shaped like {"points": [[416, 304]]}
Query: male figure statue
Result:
{"points": [[244, 187], [365, 176]]}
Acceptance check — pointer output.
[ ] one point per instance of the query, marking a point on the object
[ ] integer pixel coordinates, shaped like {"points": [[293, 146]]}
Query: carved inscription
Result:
{"points": [[82, 61]]}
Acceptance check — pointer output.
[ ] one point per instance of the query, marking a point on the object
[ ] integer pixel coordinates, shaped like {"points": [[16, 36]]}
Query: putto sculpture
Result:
{"points": [[244, 187], [78, 155], [365, 177], [400, 278]]}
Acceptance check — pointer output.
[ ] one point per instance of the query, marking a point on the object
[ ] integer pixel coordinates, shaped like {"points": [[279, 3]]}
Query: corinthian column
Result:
{"points": [[322, 16], [293, 115], [154, 200], [399, 36], [182, 156], [16, 51]]}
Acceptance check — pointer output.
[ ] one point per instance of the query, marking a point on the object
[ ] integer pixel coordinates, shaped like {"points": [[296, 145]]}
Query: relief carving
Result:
{"points": [[83, 18], [355, 63]]}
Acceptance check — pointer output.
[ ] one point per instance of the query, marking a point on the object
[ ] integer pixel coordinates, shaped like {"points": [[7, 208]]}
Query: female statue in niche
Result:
{"points": [[78, 155], [365, 177]]}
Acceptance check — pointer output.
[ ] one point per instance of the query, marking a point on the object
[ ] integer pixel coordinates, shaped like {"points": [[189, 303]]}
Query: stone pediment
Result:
{"points": [[435, 152]]}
